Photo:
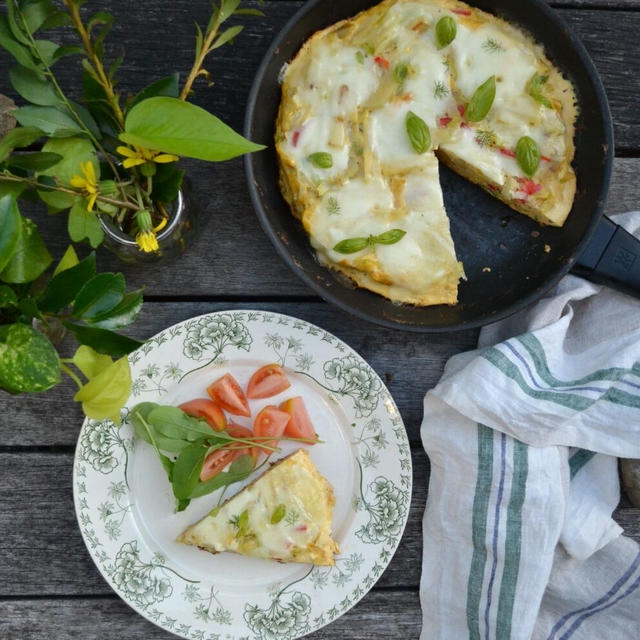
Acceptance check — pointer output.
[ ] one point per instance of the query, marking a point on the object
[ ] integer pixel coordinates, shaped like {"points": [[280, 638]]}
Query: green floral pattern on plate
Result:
{"points": [[200, 610]]}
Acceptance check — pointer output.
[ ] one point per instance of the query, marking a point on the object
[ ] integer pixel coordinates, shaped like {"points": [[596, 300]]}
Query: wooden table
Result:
{"points": [[49, 587]]}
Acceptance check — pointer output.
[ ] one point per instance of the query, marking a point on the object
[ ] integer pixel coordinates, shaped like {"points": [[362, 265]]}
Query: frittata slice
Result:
{"points": [[284, 515]]}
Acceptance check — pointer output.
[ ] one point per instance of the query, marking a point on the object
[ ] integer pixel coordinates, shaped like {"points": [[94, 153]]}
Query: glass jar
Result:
{"points": [[173, 240]]}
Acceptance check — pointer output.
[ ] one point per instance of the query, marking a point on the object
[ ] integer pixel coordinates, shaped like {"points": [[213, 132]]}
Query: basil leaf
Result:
{"points": [[62, 289], [174, 126], [103, 340], [351, 245], [30, 257], [446, 31], [400, 72], [360, 57], [10, 229], [418, 132], [186, 470], [528, 155], [535, 90], [278, 514], [172, 422], [28, 361], [481, 101], [390, 237], [321, 159]]}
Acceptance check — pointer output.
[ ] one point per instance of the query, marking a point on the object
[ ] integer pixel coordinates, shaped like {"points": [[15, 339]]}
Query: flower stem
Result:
{"points": [[8, 177], [71, 374], [61, 94], [72, 7], [197, 69]]}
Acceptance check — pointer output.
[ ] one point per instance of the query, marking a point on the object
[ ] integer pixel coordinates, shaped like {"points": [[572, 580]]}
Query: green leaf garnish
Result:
{"points": [[446, 30], [418, 132], [400, 72], [353, 245], [321, 160], [536, 85], [278, 514], [481, 101], [528, 155]]}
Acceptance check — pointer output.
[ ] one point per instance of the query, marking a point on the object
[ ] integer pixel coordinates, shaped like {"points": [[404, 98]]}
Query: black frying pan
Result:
{"points": [[486, 232]]}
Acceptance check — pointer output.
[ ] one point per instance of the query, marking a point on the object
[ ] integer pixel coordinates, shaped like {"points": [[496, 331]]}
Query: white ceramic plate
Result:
{"points": [[125, 505]]}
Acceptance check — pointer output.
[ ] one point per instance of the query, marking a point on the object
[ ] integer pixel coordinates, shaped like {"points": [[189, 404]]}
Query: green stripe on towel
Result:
{"points": [[513, 542], [578, 460], [480, 514], [570, 400], [539, 359]]}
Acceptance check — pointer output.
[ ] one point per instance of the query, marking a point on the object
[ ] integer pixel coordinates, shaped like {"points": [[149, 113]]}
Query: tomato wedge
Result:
{"points": [[207, 409], [216, 462], [267, 381], [238, 431], [270, 422], [227, 393], [300, 425]]}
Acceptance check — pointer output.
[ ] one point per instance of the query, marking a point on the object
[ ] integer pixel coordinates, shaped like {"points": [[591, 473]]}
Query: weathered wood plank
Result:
{"points": [[52, 559], [409, 367], [41, 502], [379, 615]]}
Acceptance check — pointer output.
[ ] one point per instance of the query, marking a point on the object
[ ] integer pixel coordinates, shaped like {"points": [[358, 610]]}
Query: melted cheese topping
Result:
{"points": [[348, 93], [246, 524]]}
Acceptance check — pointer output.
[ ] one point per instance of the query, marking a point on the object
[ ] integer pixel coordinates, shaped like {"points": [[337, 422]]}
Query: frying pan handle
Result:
{"points": [[612, 258]]}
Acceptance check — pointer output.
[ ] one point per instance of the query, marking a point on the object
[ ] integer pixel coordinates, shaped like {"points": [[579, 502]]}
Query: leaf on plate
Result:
{"points": [[186, 470]]}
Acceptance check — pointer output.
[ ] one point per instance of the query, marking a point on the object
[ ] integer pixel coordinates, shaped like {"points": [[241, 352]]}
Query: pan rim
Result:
{"points": [[484, 319]]}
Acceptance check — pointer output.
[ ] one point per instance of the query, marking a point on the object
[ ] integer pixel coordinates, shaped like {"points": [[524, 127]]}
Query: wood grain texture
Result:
{"points": [[379, 615], [408, 367], [42, 552]]}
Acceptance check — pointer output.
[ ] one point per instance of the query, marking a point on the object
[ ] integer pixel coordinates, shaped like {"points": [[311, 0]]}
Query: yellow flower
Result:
{"points": [[140, 155], [147, 241], [88, 184]]}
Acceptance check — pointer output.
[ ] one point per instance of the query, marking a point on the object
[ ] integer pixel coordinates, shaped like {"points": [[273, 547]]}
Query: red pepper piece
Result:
{"points": [[444, 121], [295, 138], [507, 152], [382, 62], [462, 109], [465, 125], [546, 158], [462, 12], [528, 186]]}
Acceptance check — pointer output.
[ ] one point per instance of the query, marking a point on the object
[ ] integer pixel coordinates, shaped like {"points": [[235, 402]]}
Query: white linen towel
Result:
{"points": [[522, 435]]}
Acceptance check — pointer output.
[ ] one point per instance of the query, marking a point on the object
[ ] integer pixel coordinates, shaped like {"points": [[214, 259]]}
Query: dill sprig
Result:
{"points": [[440, 90], [493, 46]]}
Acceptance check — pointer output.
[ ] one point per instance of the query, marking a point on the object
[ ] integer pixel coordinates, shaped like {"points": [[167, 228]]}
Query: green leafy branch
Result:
{"points": [[211, 39]]}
